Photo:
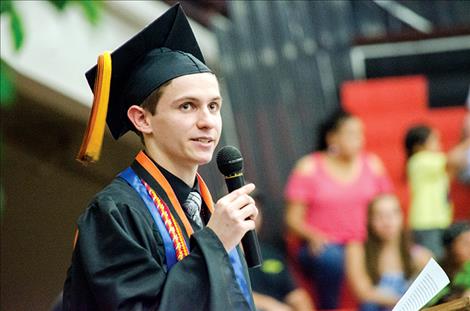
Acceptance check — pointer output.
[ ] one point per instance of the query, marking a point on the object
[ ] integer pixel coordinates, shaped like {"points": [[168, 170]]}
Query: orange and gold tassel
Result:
{"points": [[93, 138]]}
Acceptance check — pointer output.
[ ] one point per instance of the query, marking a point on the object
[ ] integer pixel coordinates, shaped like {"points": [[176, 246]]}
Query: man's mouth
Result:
{"points": [[203, 140]]}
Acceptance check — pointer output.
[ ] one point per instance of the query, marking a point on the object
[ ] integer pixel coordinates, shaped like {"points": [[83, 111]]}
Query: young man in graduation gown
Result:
{"points": [[141, 244]]}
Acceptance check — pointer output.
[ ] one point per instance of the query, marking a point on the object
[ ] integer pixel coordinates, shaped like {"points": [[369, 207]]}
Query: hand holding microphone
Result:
{"points": [[238, 208], [232, 216]]}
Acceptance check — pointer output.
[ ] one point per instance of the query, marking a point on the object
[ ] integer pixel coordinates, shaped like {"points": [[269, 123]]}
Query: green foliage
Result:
{"points": [[16, 25], [91, 9], [59, 4], [5, 6], [7, 90], [462, 279]]}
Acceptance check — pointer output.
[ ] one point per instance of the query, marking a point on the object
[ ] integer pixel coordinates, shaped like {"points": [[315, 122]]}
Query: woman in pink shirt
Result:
{"points": [[327, 195]]}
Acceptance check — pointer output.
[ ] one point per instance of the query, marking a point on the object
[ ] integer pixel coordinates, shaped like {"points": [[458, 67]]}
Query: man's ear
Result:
{"points": [[138, 117]]}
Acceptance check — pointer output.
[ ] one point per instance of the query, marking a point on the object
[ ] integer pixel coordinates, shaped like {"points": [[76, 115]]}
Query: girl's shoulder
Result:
{"points": [[307, 164]]}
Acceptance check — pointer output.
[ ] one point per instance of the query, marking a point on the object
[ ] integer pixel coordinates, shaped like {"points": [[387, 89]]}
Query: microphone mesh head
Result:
{"points": [[229, 160]]}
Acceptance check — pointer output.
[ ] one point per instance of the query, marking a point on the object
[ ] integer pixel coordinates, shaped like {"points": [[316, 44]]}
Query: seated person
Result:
{"points": [[274, 288], [380, 269], [327, 195], [456, 262]]}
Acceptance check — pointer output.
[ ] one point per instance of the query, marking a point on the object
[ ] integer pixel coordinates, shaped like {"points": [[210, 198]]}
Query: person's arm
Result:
{"points": [[359, 279], [268, 303], [299, 300], [296, 207], [457, 158], [295, 219]]}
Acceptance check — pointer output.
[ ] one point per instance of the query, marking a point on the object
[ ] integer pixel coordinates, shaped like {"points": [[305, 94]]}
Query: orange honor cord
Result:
{"points": [[206, 195], [93, 138], [158, 176]]}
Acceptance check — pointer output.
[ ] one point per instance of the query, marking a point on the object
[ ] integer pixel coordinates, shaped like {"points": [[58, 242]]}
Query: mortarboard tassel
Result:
{"points": [[93, 138]]}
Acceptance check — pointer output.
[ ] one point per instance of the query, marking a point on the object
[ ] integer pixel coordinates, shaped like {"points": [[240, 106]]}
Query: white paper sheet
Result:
{"points": [[429, 282]]}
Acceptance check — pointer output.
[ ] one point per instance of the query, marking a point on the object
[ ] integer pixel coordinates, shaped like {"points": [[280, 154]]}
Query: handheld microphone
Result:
{"points": [[230, 164]]}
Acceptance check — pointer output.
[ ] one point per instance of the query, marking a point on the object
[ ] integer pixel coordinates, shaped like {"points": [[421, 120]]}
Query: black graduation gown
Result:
{"points": [[118, 262]]}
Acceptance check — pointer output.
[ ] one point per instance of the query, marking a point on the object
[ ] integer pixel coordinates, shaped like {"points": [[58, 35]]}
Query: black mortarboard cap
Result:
{"points": [[164, 50]]}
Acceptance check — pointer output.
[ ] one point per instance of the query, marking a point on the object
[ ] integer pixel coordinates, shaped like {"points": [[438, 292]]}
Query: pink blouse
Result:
{"points": [[336, 209]]}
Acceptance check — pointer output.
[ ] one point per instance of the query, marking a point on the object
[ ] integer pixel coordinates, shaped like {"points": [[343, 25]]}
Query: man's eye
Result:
{"points": [[214, 106], [185, 106]]}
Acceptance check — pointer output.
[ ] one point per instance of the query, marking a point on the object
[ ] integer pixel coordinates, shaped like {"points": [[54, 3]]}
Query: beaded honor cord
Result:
{"points": [[171, 226]]}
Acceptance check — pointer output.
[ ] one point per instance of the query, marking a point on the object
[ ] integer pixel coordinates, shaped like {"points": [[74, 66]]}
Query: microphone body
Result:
{"points": [[231, 167]]}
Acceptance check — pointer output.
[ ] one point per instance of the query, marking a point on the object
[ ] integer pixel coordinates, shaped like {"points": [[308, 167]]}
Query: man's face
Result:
{"points": [[187, 124]]}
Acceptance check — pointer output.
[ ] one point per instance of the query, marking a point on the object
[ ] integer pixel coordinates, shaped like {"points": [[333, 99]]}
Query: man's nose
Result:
{"points": [[206, 119]]}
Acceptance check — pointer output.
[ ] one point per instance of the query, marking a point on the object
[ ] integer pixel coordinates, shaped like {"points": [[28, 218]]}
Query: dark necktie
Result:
{"points": [[192, 206]]}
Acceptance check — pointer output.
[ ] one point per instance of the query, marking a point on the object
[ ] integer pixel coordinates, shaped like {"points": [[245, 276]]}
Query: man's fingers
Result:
{"points": [[249, 225], [242, 201], [246, 189], [248, 212]]}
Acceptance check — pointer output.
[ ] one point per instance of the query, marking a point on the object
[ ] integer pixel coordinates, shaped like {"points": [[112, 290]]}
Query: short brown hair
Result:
{"points": [[150, 103]]}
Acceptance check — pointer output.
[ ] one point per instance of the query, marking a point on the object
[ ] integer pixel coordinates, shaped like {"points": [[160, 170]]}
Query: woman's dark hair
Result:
{"points": [[416, 136], [331, 124], [373, 247]]}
